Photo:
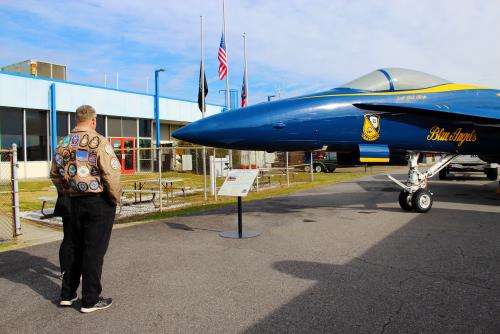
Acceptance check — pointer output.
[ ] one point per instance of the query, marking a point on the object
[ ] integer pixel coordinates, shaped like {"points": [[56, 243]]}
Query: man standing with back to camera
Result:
{"points": [[86, 169]]}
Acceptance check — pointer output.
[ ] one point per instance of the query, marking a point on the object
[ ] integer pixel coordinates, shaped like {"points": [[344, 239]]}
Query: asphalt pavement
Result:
{"points": [[339, 259]]}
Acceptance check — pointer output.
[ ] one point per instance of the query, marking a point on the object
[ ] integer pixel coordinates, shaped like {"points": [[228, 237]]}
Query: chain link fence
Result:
{"points": [[156, 179], [7, 225], [171, 177]]}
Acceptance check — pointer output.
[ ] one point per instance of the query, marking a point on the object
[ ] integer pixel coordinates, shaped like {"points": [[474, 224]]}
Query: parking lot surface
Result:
{"points": [[339, 259]]}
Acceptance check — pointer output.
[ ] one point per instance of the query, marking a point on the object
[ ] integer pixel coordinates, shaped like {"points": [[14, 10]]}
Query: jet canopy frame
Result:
{"points": [[394, 79]]}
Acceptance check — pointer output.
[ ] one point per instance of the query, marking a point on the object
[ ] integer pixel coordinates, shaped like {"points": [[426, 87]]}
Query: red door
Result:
{"points": [[125, 152]]}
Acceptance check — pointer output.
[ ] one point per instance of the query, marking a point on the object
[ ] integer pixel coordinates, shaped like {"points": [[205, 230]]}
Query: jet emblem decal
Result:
{"points": [[371, 127]]}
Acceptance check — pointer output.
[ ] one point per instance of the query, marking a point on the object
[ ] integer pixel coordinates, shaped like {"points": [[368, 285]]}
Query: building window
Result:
{"points": [[36, 135], [164, 132], [145, 156], [114, 127], [62, 125], [145, 128], [101, 124], [129, 127], [11, 129], [122, 127]]}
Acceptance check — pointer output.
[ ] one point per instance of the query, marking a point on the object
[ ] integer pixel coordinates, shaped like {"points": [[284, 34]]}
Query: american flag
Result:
{"points": [[222, 58]]}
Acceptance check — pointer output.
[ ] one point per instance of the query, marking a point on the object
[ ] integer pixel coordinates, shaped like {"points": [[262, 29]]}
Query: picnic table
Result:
{"points": [[266, 174], [166, 183]]}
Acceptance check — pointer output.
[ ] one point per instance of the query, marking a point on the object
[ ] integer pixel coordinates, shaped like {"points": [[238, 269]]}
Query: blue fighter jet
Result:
{"points": [[388, 111]]}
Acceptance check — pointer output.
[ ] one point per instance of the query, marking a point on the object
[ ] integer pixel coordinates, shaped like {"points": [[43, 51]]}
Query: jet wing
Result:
{"points": [[486, 115]]}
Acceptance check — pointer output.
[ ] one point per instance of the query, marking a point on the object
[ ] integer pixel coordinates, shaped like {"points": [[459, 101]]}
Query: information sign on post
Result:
{"points": [[237, 184]]}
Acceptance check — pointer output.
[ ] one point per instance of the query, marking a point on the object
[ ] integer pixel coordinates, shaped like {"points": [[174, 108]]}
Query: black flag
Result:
{"points": [[200, 89]]}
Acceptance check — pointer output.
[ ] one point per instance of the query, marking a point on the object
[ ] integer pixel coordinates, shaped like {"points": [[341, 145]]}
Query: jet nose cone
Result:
{"points": [[186, 133], [208, 131]]}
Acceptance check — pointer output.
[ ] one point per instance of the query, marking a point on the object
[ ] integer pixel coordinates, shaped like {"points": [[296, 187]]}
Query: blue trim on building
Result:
{"points": [[101, 87], [53, 117], [157, 110]]}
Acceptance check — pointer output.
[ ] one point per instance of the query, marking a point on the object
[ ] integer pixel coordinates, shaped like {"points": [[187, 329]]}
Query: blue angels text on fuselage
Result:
{"points": [[386, 111]]}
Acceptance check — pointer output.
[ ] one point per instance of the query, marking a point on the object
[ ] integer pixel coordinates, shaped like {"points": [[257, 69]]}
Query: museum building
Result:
{"points": [[125, 117]]}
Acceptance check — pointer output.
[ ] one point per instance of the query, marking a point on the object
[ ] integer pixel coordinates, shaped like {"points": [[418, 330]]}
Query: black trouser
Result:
{"points": [[88, 234], [65, 252], [63, 210]]}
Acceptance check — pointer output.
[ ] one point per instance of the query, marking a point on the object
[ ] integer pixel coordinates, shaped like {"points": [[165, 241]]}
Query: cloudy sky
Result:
{"points": [[293, 46]]}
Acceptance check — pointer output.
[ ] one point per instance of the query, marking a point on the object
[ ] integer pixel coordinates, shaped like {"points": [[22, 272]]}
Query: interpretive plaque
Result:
{"points": [[238, 182]]}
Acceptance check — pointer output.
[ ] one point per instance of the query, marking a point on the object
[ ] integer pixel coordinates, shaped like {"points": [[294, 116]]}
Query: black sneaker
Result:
{"points": [[68, 302], [102, 303]]}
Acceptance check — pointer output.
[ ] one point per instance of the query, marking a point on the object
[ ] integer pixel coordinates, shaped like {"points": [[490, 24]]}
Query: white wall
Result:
{"points": [[33, 93], [27, 92]]}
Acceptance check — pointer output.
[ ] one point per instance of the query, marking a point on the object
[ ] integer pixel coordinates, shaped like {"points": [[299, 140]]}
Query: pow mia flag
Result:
{"points": [[200, 88]]}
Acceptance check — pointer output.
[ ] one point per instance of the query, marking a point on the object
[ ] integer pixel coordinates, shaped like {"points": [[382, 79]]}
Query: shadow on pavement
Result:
{"points": [[430, 276], [184, 227], [35, 272], [373, 195]]}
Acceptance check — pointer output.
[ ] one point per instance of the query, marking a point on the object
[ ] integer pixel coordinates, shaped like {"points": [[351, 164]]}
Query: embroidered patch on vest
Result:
{"points": [[94, 185], [72, 170], [83, 171], [85, 140], [94, 143], [82, 155], [83, 186], [74, 140]]}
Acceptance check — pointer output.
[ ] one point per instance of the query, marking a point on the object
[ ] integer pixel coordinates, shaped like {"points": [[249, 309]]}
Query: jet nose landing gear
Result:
{"points": [[415, 196], [422, 200]]}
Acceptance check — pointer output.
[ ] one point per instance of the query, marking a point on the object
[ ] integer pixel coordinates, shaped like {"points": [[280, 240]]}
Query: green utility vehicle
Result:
{"points": [[323, 162]]}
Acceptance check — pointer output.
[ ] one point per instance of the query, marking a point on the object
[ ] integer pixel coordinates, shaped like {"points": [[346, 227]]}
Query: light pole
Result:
{"points": [[157, 106], [157, 120]]}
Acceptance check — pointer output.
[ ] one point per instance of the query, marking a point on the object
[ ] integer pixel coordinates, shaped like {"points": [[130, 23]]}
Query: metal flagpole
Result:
{"points": [[227, 58], [246, 89], [228, 106], [202, 78], [246, 70]]}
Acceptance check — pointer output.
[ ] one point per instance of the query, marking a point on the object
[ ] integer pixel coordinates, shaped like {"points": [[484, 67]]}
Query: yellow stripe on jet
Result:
{"points": [[436, 89], [374, 159]]}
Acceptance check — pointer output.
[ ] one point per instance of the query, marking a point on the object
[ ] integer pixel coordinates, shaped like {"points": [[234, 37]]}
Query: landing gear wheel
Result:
{"points": [[318, 168], [422, 200], [405, 200]]}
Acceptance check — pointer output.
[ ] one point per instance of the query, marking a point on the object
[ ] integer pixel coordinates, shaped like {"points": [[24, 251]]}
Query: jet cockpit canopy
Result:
{"points": [[394, 79]]}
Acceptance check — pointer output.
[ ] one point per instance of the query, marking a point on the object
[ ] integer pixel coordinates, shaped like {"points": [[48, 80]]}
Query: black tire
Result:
{"points": [[444, 174], [318, 168], [307, 169], [491, 173], [405, 200], [331, 169], [422, 201]]}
